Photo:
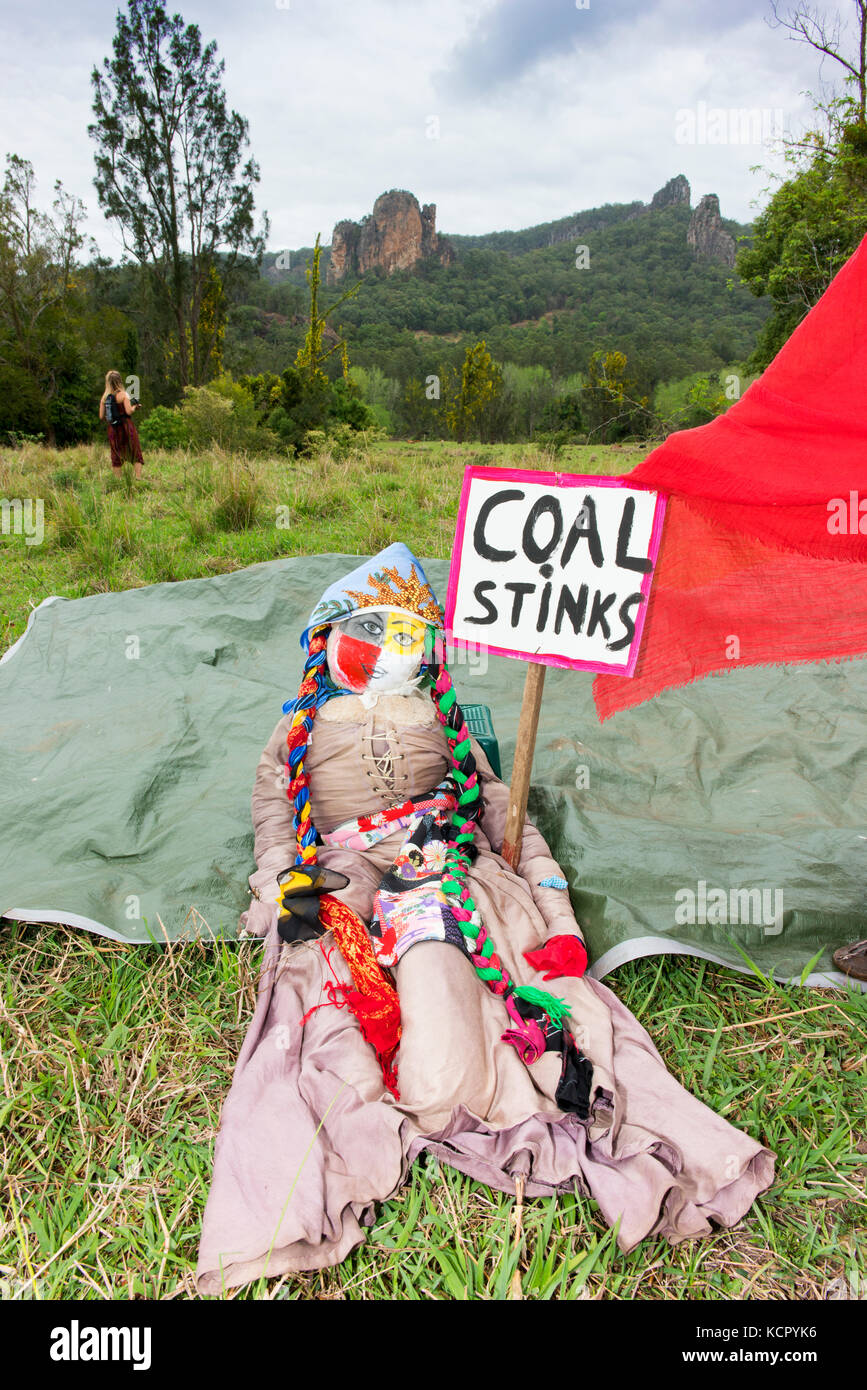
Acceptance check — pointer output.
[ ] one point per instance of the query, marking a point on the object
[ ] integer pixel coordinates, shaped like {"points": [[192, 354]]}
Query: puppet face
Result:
{"points": [[377, 651]]}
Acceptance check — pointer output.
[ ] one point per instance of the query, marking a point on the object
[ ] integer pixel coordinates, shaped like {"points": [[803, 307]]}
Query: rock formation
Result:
{"points": [[396, 235], [677, 190], [706, 234]]}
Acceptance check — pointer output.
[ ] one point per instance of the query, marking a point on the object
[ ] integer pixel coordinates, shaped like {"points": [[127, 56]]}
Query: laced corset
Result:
{"points": [[394, 751]]}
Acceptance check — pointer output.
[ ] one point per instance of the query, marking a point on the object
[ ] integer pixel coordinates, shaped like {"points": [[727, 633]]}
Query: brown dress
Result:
{"points": [[311, 1140]]}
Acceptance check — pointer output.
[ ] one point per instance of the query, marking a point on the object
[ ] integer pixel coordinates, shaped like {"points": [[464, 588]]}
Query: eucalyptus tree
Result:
{"points": [[39, 298], [172, 173]]}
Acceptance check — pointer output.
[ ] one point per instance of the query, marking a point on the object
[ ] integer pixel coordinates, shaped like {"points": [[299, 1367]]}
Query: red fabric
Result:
{"points": [[561, 955], [373, 1000], [753, 548]]}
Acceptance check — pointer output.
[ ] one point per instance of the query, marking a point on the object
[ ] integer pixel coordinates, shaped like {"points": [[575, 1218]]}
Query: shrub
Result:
{"points": [[348, 407], [552, 441], [382, 417], [314, 441], [208, 417], [164, 429], [224, 413], [288, 431]]}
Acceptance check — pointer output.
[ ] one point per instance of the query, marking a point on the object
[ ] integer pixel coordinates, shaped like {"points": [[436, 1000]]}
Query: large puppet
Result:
{"points": [[417, 993]]}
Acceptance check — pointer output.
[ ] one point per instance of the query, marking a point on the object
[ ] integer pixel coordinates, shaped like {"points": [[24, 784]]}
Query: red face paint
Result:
{"points": [[353, 662]]}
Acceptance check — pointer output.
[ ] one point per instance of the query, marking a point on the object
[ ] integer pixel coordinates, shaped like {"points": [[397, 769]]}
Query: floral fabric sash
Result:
{"points": [[409, 905]]}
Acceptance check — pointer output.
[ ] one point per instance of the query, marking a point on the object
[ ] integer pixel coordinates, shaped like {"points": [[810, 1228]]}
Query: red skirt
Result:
{"points": [[124, 442]]}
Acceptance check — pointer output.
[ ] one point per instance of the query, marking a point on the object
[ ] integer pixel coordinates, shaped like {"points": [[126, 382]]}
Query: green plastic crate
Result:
{"points": [[481, 726]]}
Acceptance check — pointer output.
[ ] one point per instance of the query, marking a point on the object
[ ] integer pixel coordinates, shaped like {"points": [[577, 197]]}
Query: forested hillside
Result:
{"points": [[546, 315], [642, 292]]}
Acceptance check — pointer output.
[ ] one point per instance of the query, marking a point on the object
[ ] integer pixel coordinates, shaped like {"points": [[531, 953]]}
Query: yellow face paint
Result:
{"points": [[404, 636]]}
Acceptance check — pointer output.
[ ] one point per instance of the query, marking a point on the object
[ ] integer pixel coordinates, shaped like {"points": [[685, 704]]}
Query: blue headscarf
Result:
{"points": [[392, 579]]}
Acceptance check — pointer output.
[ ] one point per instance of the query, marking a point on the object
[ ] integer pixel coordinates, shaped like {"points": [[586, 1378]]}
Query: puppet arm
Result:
{"points": [[561, 948], [274, 845]]}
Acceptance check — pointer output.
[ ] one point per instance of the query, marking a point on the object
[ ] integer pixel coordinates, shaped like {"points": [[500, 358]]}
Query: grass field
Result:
{"points": [[115, 1060]]}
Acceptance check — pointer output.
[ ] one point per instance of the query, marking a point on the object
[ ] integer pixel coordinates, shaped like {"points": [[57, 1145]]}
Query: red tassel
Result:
{"points": [[379, 1022], [371, 997]]}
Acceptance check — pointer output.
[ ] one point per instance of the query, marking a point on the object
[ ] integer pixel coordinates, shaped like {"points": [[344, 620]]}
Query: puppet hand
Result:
{"points": [[561, 955], [300, 891], [258, 918]]}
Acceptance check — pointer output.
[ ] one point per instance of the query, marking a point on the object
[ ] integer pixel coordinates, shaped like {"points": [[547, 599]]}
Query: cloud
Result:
{"points": [[562, 109], [513, 37]]}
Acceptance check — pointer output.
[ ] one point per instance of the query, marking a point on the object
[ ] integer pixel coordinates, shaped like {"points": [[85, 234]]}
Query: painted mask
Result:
{"points": [[376, 652]]}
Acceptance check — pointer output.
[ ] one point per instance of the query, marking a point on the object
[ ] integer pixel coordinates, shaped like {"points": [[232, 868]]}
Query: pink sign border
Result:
{"points": [[473, 471]]}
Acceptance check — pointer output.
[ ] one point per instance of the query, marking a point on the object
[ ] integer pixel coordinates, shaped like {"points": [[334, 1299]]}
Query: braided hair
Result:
{"points": [[526, 1034], [314, 690]]}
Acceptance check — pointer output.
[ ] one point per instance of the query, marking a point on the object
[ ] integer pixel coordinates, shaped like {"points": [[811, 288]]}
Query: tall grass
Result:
{"points": [[237, 497], [209, 512]]}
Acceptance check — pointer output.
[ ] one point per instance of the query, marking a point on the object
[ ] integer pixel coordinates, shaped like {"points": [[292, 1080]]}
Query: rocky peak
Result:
{"points": [[706, 234], [396, 235], [677, 190]]}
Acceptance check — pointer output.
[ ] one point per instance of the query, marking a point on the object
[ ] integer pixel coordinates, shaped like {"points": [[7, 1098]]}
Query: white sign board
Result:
{"points": [[553, 567]]}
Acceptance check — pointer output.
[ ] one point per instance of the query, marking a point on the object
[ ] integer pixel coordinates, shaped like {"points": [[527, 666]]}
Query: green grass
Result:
{"points": [[114, 1060], [193, 515]]}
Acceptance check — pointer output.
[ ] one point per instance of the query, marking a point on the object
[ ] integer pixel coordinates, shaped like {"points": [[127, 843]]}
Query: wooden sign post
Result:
{"points": [[519, 788], [554, 569]]}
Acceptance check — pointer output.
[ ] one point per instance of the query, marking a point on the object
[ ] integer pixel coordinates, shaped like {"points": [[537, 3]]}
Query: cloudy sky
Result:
{"points": [[502, 112]]}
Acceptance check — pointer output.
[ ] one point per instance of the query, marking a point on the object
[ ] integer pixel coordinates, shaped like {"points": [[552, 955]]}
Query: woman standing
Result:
{"points": [[116, 409]]}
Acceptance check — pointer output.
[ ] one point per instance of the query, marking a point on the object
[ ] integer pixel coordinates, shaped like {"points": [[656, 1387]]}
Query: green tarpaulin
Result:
{"points": [[131, 725]]}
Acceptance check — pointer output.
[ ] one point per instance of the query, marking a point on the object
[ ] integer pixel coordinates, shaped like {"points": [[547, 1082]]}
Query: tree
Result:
{"points": [[819, 31], [611, 403], [317, 399], [41, 305], [311, 358], [170, 174], [808, 230], [817, 217], [37, 255], [469, 400]]}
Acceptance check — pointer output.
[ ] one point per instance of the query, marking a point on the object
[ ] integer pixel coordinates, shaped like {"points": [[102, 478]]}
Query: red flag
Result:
{"points": [[764, 547]]}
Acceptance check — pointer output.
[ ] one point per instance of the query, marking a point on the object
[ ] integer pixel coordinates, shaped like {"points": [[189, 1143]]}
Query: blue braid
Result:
{"points": [[308, 701]]}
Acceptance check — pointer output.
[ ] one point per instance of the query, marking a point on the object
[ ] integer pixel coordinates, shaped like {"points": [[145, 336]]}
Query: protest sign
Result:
{"points": [[554, 569]]}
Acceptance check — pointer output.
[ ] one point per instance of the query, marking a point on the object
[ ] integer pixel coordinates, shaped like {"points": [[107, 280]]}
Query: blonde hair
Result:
{"points": [[113, 382]]}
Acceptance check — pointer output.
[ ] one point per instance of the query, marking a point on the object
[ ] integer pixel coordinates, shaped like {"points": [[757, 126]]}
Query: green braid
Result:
{"points": [[526, 1035]]}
